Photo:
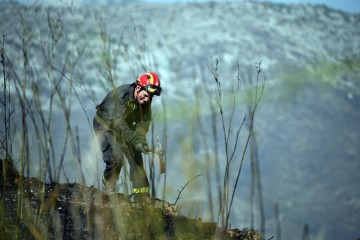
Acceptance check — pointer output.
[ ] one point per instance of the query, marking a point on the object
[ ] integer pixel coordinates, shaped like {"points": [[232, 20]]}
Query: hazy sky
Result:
{"points": [[352, 6]]}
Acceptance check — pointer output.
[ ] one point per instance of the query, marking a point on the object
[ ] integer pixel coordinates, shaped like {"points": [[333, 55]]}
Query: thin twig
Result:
{"points": [[183, 187]]}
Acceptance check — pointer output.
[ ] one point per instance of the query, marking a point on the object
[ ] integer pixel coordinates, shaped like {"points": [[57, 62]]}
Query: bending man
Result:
{"points": [[121, 122]]}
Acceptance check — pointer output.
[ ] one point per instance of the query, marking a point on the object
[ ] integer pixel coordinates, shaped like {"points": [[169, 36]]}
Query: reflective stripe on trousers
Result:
{"points": [[141, 190]]}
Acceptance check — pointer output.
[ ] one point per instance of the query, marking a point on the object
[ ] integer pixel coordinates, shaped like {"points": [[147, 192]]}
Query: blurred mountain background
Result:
{"points": [[307, 124]]}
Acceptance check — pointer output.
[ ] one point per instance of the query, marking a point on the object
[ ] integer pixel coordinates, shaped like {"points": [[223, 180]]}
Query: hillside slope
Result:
{"points": [[31, 209]]}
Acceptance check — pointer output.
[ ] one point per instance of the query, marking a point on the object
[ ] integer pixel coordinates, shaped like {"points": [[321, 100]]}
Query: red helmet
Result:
{"points": [[150, 82]]}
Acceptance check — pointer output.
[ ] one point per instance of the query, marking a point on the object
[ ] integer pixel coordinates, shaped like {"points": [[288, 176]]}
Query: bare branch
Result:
{"points": [[183, 187]]}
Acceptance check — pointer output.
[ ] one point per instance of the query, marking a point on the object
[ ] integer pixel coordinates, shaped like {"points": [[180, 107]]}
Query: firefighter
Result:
{"points": [[121, 122]]}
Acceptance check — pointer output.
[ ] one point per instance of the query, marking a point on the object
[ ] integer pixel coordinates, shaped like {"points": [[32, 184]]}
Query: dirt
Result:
{"points": [[31, 209]]}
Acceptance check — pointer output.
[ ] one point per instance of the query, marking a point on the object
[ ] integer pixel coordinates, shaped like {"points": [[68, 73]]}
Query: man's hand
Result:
{"points": [[142, 147]]}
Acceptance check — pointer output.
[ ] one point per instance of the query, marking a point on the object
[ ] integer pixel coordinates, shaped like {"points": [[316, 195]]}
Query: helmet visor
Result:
{"points": [[152, 89]]}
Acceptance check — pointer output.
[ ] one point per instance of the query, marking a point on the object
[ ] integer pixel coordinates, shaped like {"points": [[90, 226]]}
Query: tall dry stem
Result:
{"points": [[258, 92], [227, 194]]}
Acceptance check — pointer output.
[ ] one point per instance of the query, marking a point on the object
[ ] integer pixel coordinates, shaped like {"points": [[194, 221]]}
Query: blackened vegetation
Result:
{"points": [[32, 209]]}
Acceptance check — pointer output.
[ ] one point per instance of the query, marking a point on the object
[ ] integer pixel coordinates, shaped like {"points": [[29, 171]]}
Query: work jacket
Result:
{"points": [[121, 113]]}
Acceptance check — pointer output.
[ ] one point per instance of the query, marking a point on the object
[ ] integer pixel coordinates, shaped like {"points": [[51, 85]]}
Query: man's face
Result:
{"points": [[142, 96]]}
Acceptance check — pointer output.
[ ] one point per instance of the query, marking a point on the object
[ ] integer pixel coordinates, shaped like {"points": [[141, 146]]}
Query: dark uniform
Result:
{"points": [[120, 124]]}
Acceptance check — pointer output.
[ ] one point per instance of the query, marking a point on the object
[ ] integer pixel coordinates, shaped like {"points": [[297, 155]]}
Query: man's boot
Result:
{"points": [[109, 187], [141, 195]]}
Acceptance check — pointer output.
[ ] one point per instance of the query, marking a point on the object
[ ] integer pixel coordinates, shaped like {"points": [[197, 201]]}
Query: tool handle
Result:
{"points": [[160, 153], [162, 163]]}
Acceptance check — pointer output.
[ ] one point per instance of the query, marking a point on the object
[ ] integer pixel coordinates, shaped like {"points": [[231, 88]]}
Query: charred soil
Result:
{"points": [[31, 209]]}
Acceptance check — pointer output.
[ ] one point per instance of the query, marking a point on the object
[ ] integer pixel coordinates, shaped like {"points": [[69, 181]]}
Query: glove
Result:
{"points": [[160, 151], [142, 147]]}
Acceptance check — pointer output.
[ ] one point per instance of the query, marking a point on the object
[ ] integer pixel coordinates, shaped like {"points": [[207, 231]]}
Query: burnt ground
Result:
{"points": [[31, 209]]}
